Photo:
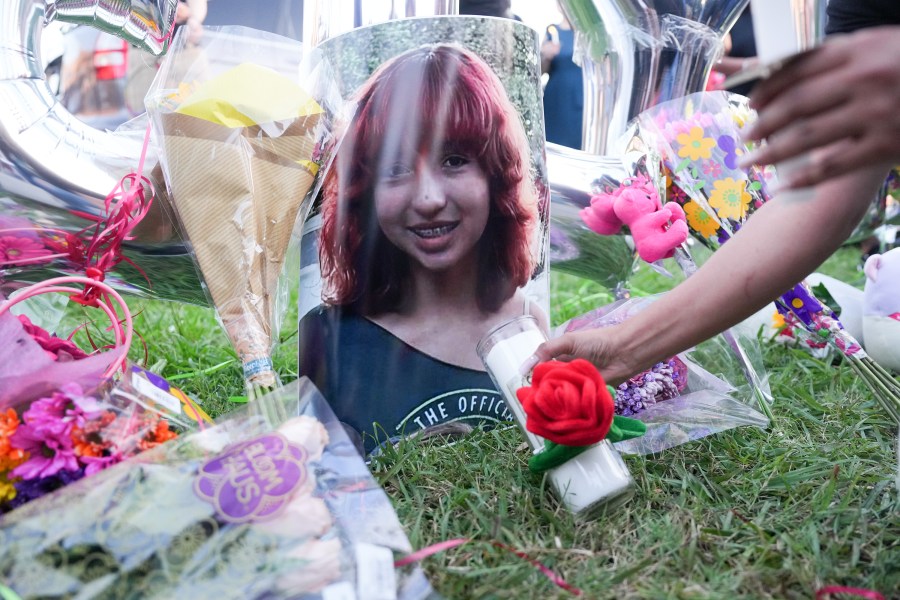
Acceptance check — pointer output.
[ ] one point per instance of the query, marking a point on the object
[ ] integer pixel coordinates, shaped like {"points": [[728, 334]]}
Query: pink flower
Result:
{"points": [[56, 347], [81, 408], [65, 408], [46, 416], [48, 452], [15, 249], [712, 168], [95, 464]]}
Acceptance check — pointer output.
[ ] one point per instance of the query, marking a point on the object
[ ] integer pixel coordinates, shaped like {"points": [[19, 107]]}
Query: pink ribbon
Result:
{"points": [[125, 206], [454, 543], [821, 593]]}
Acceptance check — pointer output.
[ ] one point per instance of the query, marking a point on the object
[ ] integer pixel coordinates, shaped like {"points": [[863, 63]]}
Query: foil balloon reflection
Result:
{"points": [[574, 177], [637, 53], [324, 19], [146, 24], [55, 171]]}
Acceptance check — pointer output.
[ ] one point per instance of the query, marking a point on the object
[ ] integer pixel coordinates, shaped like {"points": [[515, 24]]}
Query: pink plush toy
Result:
{"points": [[657, 230], [881, 309]]}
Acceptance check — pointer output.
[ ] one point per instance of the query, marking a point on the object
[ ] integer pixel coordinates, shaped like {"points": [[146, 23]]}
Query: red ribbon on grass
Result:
{"points": [[454, 543], [821, 593]]}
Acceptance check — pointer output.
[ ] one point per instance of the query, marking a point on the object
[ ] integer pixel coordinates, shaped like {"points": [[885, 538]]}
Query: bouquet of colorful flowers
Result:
{"points": [[686, 397], [61, 415], [238, 510], [699, 140], [245, 126]]}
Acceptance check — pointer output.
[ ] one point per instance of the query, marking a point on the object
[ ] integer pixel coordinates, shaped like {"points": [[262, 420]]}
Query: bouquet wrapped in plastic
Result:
{"points": [[686, 397], [699, 140], [238, 510], [62, 417], [244, 125], [682, 156]]}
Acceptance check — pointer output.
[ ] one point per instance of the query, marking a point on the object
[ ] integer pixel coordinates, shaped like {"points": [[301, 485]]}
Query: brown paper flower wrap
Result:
{"points": [[241, 154]]}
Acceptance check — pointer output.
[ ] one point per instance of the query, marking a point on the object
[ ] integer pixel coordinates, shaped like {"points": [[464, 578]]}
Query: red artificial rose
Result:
{"points": [[568, 403]]}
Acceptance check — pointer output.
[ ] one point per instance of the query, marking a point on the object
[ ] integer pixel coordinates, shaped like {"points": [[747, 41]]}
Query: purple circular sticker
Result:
{"points": [[253, 480]]}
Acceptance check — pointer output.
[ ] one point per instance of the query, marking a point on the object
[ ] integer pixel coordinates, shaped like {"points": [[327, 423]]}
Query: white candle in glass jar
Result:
{"points": [[597, 478]]}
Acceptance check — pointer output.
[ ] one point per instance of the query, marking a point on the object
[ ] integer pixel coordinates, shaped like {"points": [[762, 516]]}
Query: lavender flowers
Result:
{"points": [[664, 381]]}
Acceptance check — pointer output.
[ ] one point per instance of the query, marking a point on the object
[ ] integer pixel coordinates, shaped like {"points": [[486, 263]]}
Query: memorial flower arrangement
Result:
{"points": [[65, 436], [66, 413], [699, 140], [245, 508], [244, 145]]}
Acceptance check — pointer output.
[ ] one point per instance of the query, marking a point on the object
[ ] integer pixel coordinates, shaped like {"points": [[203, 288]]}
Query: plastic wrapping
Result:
{"points": [[575, 177], [238, 511], [55, 437], [708, 391], [434, 223], [636, 54], [699, 140], [244, 121], [689, 148]]}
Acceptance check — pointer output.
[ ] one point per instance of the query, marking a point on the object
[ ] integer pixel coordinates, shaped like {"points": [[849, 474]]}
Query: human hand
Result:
{"points": [[549, 50], [195, 30], [599, 346], [837, 102], [182, 13]]}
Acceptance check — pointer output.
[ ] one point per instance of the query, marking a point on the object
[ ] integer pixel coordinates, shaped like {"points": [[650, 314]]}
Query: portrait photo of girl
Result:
{"points": [[430, 234]]}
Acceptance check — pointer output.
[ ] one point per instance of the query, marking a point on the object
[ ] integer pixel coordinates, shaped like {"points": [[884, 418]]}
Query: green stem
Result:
{"points": [[889, 398], [206, 371]]}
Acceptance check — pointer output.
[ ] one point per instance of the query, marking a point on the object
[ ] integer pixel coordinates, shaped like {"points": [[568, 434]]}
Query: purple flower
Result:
{"points": [[663, 382], [802, 303], [30, 489], [60, 411], [49, 453], [83, 408]]}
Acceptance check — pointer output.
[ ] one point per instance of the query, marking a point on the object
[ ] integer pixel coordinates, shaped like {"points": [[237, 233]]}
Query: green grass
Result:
{"points": [[742, 514]]}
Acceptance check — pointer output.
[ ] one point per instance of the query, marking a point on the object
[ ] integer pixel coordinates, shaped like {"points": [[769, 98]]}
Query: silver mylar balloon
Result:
{"points": [[637, 53], [146, 24], [324, 19], [55, 171], [574, 177]]}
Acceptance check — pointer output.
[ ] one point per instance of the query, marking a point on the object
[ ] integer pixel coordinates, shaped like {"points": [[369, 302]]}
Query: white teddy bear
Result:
{"points": [[881, 309]]}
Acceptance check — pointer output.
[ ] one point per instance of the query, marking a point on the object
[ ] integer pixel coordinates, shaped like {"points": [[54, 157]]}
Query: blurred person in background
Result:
{"points": [[564, 92], [740, 51]]}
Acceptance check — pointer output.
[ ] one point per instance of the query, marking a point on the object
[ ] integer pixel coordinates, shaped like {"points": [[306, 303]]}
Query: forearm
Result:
{"points": [[729, 65], [780, 244]]}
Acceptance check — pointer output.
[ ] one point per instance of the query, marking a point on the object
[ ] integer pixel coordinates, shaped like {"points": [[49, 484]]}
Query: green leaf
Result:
{"points": [[624, 428]]}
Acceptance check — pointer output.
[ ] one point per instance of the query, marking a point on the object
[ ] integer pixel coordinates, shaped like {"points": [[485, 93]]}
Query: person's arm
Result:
{"points": [[198, 10], [785, 240], [549, 48], [729, 65], [836, 105]]}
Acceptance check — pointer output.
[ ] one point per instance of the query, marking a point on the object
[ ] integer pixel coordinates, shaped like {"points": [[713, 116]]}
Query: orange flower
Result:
{"points": [[730, 199], [10, 457], [700, 221], [159, 435], [9, 422], [83, 446], [694, 146]]}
